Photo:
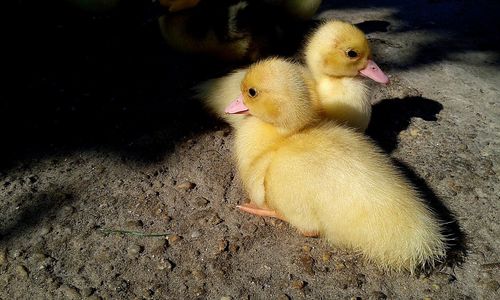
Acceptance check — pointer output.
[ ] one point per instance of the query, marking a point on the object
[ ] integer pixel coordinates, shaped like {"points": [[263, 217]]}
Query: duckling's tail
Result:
{"points": [[417, 248], [409, 238], [216, 94]]}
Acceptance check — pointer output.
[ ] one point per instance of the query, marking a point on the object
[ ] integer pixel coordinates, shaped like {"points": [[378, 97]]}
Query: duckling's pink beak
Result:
{"points": [[237, 107], [373, 72]]}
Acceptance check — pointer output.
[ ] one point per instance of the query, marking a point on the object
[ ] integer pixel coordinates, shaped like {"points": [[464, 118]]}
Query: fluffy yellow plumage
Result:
{"points": [[335, 54], [326, 178]]}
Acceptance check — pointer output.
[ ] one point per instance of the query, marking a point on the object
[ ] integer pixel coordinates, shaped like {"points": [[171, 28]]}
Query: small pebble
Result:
{"points": [[298, 284], [159, 247], [414, 132], [427, 298], [198, 291], [360, 280], [199, 275], [326, 256], [52, 283], [248, 228], [3, 256], [201, 202], [306, 248], [134, 250], [40, 259], [86, 292], [307, 263], [283, 297], [165, 264], [338, 266], [173, 239], [15, 253], [134, 224], [70, 292], [221, 133], [45, 230], [108, 268], [157, 185], [186, 186], [215, 219], [21, 271], [233, 248], [491, 285], [443, 278], [222, 245], [377, 295], [436, 287], [195, 234], [67, 210], [225, 298]]}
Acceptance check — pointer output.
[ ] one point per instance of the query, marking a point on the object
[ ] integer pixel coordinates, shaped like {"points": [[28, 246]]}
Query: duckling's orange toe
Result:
{"points": [[253, 209], [259, 211]]}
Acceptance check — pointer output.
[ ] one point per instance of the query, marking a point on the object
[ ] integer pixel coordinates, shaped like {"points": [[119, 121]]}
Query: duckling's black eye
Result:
{"points": [[252, 92], [352, 53]]}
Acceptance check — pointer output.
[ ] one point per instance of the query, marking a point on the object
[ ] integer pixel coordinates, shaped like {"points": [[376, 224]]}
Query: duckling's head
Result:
{"points": [[340, 49], [275, 91]]}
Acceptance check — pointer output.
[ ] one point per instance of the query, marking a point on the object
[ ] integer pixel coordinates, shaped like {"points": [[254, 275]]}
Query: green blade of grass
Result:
{"points": [[129, 232]]}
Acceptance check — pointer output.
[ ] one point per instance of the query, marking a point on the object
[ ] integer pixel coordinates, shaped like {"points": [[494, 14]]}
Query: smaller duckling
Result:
{"points": [[325, 178], [234, 30], [336, 53]]}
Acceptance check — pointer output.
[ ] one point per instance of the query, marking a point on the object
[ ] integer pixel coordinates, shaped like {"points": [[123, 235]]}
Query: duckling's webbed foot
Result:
{"points": [[266, 212], [259, 211]]}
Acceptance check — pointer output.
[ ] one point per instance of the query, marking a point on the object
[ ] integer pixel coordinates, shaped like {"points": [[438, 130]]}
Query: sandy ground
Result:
{"points": [[100, 134]]}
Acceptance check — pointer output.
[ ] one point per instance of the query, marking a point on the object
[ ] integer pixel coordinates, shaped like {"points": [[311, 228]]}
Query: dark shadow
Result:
{"points": [[391, 116], [79, 81], [373, 26], [457, 240], [451, 28], [35, 208]]}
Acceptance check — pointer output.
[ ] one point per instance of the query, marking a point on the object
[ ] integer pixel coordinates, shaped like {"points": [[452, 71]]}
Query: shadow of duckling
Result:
{"points": [[391, 116], [373, 26], [457, 240]]}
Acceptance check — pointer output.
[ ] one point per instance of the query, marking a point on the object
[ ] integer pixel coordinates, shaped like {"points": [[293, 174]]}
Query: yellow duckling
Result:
{"points": [[325, 178], [335, 54]]}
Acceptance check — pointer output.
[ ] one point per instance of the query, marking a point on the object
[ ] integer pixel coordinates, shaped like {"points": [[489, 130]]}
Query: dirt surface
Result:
{"points": [[100, 134]]}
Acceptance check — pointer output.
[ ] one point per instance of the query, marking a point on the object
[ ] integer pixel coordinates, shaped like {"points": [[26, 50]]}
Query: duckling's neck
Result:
{"points": [[341, 89], [344, 99], [255, 145]]}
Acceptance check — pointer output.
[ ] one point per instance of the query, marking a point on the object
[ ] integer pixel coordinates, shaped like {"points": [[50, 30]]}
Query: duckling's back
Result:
{"points": [[217, 93], [333, 180]]}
